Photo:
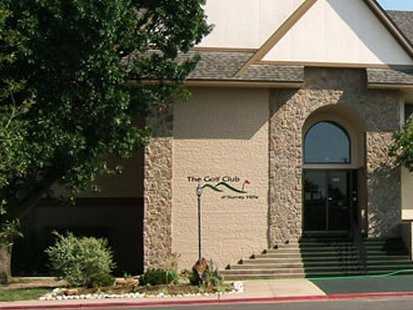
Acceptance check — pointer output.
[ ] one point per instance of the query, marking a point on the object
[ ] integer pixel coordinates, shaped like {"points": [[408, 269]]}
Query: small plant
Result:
{"points": [[158, 277], [82, 262], [206, 275], [212, 277]]}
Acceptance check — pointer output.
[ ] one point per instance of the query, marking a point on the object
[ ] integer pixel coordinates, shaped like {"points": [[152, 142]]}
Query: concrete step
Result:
{"points": [[263, 276], [266, 260], [314, 257], [307, 255], [299, 264], [328, 253], [332, 249], [317, 269], [311, 249], [322, 242], [335, 247]]}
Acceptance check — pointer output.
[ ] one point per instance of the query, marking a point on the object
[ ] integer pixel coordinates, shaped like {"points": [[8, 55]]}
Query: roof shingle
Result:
{"points": [[404, 21], [390, 76], [225, 66]]}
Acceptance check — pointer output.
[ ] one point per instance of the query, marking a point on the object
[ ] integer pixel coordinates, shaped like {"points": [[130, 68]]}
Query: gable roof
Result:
{"points": [[225, 65], [404, 21]]}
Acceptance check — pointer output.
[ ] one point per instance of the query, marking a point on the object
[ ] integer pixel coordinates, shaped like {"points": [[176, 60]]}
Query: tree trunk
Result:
{"points": [[5, 264]]}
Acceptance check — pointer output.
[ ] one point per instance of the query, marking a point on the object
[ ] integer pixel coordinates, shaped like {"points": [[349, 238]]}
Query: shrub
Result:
{"points": [[158, 276], [82, 262], [212, 278], [206, 274]]}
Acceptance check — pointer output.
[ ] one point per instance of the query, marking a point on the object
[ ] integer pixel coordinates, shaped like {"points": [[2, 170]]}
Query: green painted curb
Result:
{"points": [[386, 275]]}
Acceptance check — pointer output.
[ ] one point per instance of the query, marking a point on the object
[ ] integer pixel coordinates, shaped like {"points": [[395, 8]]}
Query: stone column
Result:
{"points": [[383, 186], [157, 222], [285, 194]]}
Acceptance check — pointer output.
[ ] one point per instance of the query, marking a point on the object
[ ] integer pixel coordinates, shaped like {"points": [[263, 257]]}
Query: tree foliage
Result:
{"points": [[64, 95], [402, 148]]}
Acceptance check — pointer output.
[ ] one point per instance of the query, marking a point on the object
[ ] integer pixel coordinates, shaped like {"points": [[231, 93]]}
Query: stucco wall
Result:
{"points": [[219, 133], [245, 23], [362, 39], [379, 111]]}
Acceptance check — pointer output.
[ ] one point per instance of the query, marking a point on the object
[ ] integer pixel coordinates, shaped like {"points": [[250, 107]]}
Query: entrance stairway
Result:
{"points": [[313, 257]]}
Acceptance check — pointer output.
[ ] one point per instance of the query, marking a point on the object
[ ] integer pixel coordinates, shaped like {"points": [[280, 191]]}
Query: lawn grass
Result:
{"points": [[22, 294]]}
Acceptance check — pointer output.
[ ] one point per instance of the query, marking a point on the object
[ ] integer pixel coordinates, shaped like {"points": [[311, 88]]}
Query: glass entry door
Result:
{"points": [[328, 200]]}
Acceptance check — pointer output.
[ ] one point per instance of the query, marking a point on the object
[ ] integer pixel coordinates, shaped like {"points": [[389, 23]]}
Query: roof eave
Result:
{"points": [[390, 86]]}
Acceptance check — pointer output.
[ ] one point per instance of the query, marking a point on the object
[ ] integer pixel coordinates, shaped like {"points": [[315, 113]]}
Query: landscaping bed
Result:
{"points": [[133, 290], [84, 269]]}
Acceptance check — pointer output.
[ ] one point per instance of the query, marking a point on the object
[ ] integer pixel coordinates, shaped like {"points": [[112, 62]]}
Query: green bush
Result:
{"points": [[209, 278], [82, 262], [212, 278], [158, 276]]}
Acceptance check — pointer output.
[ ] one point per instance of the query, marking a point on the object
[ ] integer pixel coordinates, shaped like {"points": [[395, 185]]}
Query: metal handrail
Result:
{"points": [[358, 243]]}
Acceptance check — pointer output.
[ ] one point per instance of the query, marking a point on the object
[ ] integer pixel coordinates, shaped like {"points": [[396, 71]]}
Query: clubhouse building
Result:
{"points": [[285, 138]]}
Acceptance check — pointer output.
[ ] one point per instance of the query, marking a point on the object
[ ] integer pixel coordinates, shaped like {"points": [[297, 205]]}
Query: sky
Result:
{"points": [[397, 4]]}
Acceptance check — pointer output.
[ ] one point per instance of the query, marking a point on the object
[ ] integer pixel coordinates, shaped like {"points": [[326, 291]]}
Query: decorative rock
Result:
{"points": [[71, 292], [59, 294]]}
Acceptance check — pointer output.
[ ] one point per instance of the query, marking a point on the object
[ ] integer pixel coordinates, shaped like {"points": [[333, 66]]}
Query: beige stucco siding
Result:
{"points": [[339, 31], [219, 133], [407, 194], [245, 23]]}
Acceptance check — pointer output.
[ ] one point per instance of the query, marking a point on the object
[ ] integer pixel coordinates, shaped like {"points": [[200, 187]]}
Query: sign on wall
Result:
{"points": [[230, 187]]}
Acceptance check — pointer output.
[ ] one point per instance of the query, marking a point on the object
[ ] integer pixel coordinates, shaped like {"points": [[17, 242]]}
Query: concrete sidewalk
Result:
{"points": [[280, 288]]}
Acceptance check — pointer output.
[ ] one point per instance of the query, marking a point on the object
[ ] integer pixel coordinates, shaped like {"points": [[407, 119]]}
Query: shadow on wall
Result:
{"points": [[120, 221], [216, 113]]}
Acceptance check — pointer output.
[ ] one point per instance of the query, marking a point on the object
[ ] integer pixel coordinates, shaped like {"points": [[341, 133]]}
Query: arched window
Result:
{"points": [[327, 143]]}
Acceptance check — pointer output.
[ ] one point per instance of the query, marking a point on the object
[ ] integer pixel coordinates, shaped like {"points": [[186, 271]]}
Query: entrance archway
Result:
{"points": [[333, 166]]}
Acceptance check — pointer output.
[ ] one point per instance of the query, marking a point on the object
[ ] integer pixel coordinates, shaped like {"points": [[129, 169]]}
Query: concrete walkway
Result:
{"points": [[281, 288]]}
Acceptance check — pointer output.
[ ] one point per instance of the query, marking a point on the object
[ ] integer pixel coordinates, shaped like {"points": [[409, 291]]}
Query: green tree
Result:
{"points": [[65, 100], [402, 148]]}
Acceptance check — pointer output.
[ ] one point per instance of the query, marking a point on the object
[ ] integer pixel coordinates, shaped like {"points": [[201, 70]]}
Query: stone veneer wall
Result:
{"points": [[378, 110], [158, 190]]}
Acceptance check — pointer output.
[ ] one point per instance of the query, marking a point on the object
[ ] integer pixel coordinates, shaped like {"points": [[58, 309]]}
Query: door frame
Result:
{"points": [[353, 173]]}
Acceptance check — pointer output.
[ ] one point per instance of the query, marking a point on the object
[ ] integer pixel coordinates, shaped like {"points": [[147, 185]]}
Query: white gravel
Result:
{"points": [[58, 294]]}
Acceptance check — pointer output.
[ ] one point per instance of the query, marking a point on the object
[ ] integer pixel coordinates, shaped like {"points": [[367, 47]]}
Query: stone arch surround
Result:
{"points": [[289, 109]]}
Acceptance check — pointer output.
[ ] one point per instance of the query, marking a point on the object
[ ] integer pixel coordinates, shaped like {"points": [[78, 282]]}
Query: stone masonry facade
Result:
{"points": [[289, 110], [157, 229], [378, 110]]}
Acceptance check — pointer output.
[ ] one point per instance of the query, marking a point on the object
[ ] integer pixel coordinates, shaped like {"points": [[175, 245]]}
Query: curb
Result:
{"points": [[167, 303]]}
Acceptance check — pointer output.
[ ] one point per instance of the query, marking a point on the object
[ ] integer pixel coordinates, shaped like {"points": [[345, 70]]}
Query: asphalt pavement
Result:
{"points": [[373, 304]]}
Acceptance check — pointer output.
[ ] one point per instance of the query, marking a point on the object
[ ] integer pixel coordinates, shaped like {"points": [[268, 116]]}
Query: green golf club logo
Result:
{"points": [[219, 187]]}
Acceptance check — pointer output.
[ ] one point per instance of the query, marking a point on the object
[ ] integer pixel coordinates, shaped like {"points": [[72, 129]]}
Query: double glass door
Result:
{"points": [[329, 198]]}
